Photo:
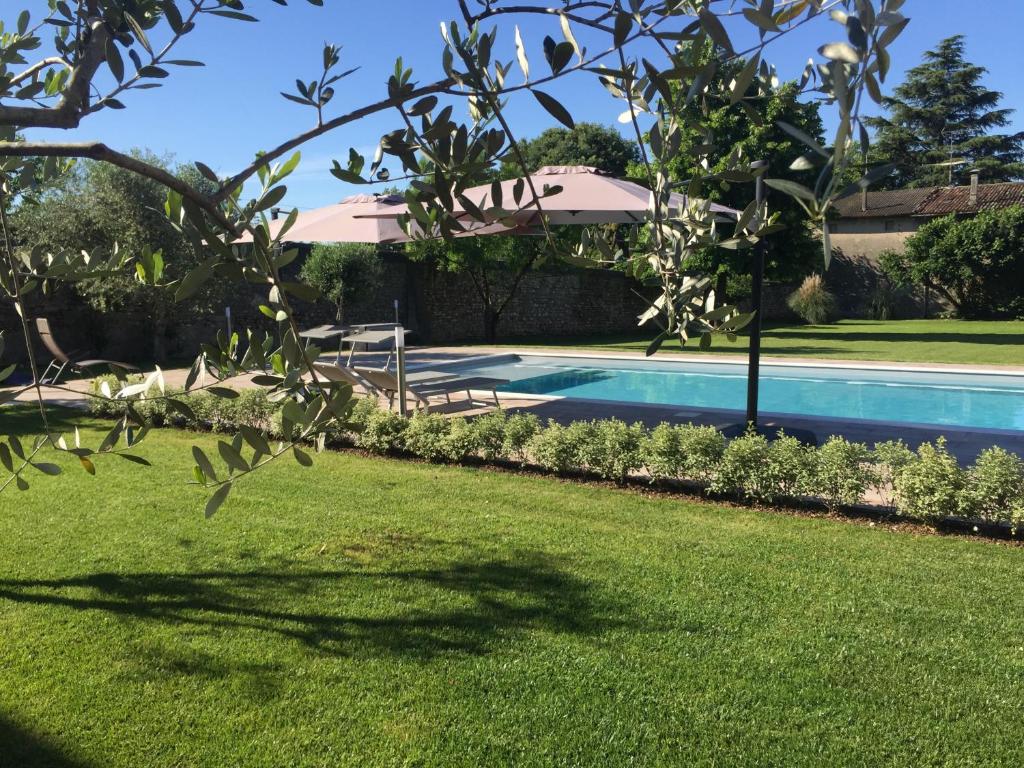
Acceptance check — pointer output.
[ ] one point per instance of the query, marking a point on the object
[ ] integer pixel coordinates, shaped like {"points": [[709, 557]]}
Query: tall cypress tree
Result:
{"points": [[943, 110]]}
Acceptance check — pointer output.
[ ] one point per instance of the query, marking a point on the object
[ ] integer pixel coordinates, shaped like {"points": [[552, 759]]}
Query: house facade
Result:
{"points": [[870, 223]]}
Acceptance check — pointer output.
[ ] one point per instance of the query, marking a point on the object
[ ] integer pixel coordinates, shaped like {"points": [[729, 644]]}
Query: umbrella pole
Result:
{"points": [[754, 359], [403, 407]]}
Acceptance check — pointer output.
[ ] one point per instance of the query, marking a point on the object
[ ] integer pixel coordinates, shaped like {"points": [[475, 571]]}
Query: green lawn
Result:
{"points": [[374, 612], [907, 341]]}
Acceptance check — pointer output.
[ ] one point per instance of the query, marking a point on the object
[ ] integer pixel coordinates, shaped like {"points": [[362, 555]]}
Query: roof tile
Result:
{"points": [[884, 203], [958, 199], [930, 201]]}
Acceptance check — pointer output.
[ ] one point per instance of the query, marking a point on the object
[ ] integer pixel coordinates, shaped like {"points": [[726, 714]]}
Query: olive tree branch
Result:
{"points": [[22, 314], [26, 462], [96, 150], [156, 59], [50, 61], [229, 186], [74, 102]]}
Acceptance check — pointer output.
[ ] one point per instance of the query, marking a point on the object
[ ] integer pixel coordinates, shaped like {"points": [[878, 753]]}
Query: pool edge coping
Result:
{"points": [[737, 359]]}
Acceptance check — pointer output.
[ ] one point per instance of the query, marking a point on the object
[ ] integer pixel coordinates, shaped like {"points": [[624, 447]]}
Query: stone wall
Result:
{"points": [[440, 307], [554, 302]]}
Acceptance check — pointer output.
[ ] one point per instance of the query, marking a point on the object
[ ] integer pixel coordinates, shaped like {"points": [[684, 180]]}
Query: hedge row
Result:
{"points": [[927, 484]]}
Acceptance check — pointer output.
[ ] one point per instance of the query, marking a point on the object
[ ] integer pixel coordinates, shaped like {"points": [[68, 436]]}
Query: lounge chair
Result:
{"points": [[344, 374], [68, 360], [423, 390]]}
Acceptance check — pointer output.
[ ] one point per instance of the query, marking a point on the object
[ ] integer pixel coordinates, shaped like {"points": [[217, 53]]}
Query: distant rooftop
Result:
{"points": [[930, 201]]}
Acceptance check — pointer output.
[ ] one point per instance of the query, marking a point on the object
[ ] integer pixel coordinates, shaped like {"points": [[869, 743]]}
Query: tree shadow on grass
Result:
{"points": [[19, 747], [791, 350], [464, 609], [23, 419], [823, 333]]}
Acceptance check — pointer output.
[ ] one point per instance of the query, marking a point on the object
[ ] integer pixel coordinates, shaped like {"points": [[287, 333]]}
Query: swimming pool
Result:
{"points": [[983, 400]]}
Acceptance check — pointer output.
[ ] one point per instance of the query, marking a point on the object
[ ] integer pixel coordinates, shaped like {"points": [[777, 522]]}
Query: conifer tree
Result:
{"points": [[943, 111]]}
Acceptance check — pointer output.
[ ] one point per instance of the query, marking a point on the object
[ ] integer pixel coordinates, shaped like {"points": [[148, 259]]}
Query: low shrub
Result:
{"points": [[361, 410], [702, 449], [490, 434], [520, 429], [554, 449], [661, 453], [582, 439], [153, 408], [930, 485], [995, 487], [791, 465], [383, 431], [761, 470], [813, 302], [889, 459], [252, 408], [157, 412], [104, 407], [743, 469], [462, 440], [842, 472], [927, 485], [425, 435], [613, 450]]}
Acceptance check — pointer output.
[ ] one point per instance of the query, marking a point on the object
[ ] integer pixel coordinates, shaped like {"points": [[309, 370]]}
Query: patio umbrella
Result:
{"points": [[361, 219], [588, 196], [339, 223]]}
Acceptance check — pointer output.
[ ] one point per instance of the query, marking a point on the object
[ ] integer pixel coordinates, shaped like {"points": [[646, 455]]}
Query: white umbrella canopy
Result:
{"points": [[362, 219], [353, 220], [587, 196]]}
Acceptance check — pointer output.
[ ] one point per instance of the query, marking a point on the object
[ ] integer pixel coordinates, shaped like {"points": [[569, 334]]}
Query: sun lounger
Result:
{"points": [[63, 361], [422, 391], [345, 375]]}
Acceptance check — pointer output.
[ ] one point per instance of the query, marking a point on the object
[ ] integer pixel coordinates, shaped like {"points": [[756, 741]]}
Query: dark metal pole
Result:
{"points": [[403, 407], [754, 360]]}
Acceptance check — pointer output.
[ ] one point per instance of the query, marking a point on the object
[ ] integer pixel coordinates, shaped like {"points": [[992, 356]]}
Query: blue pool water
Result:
{"points": [[994, 401]]}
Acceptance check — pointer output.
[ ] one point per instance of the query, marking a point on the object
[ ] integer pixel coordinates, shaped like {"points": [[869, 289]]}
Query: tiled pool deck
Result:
{"points": [[963, 443]]}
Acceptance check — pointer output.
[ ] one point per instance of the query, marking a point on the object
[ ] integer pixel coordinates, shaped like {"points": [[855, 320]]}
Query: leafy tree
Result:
{"points": [[750, 128], [101, 208], [588, 144], [977, 263], [942, 111], [340, 271]]}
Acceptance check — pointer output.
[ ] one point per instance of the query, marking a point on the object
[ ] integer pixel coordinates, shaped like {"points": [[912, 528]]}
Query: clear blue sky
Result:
{"points": [[224, 113]]}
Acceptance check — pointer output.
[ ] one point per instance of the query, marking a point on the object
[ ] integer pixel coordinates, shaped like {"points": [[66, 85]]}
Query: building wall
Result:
{"points": [[870, 237], [855, 276]]}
